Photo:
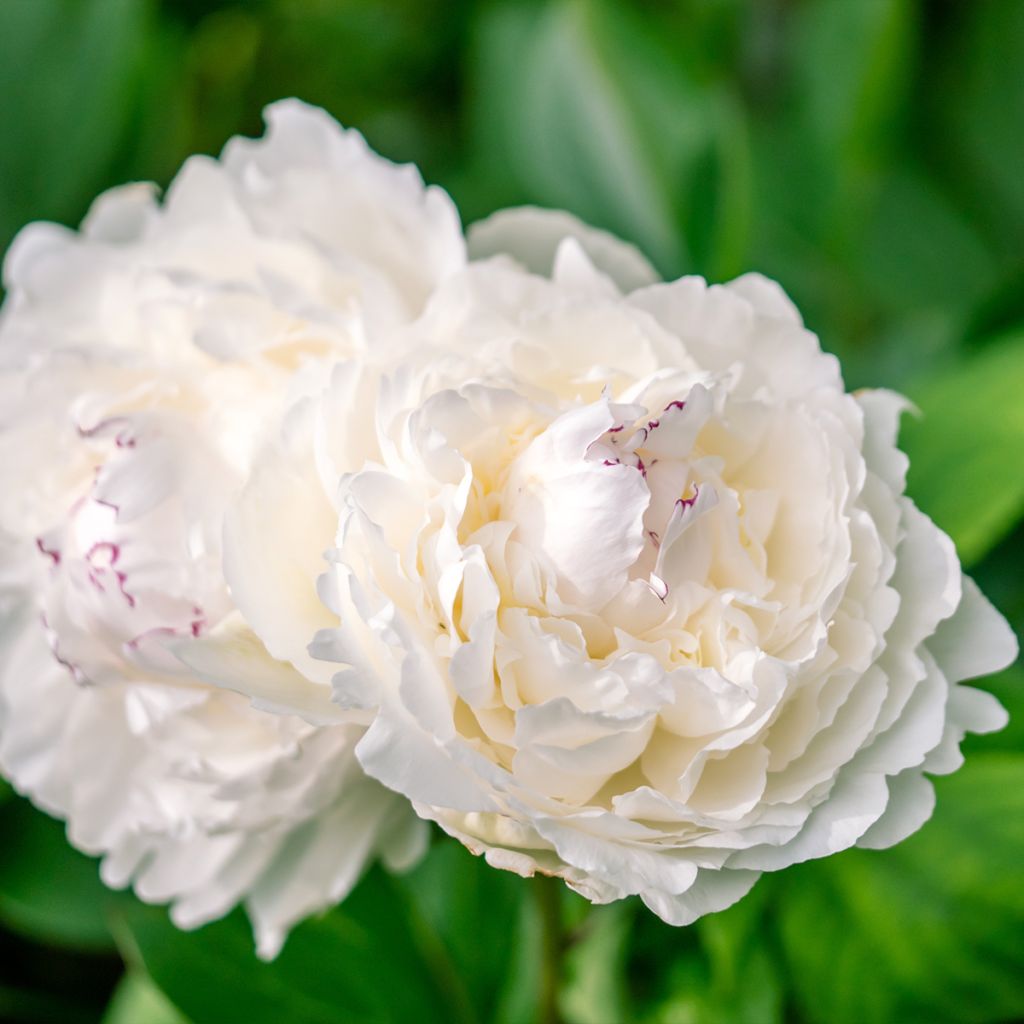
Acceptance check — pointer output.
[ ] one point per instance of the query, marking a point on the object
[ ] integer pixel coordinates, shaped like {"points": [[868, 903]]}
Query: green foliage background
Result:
{"points": [[867, 153]]}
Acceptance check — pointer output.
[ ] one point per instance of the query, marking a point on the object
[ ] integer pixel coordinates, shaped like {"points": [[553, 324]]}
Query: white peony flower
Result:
{"points": [[621, 585], [627, 580], [140, 363]]}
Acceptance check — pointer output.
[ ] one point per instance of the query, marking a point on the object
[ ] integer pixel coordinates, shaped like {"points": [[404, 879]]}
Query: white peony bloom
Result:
{"points": [[621, 585], [140, 363], [627, 580]]}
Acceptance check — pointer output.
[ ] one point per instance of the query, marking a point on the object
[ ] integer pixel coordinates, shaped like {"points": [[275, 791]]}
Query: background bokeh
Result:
{"points": [[869, 154]]}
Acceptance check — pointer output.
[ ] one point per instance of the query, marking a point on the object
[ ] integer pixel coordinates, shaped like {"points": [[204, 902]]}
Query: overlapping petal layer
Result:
{"points": [[141, 363], [629, 583]]}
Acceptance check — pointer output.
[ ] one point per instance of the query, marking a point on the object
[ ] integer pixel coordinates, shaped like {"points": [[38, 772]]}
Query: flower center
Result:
{"points": [[603, 494]]}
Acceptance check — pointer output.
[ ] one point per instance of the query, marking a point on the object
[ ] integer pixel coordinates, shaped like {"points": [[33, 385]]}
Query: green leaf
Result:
{"points": [[467, 906], [744, 978], [902, 349], [720, 970], [1001, 310], [979, 109], [929, 930], [68, 72], [48, 889], [138, 1001], [731, 977], [366, 960], [519, 996], [581, 106], [595, 986], [965, 449], [905, 258], [852, 70], [156, 135], [696, 997], [383, 66]]}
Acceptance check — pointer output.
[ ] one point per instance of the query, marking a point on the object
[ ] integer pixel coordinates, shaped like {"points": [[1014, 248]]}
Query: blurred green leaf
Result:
{"points": [[720, 970], [468, 905], [1001, 310], [595, 986], [852, 67], [366, 960], [981, 106], [733, 978], [219, 65], [905, 257], [745, 983], [904, 348], [519, 995], [684, 1001], [929, 930], [69, 74], [924, 300], [833, 84], [492, 179], [138, 1001], [581, 106], [851, 70], [48, 889], [697, 997], [157, 136], [965, 450], [388, 68]]}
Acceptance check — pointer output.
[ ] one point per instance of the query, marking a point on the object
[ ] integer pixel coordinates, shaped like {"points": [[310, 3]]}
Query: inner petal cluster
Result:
{"points": [[612, 604]]}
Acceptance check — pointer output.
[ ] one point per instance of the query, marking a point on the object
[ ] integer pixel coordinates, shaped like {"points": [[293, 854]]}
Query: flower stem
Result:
{"points": [[547, 892]]}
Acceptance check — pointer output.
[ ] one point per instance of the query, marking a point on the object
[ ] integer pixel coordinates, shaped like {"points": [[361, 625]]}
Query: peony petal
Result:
{"points": [[532, 236], [274, 539], [911, 802], [711, 891], [975, 641], [232, 656], [404, 759]]}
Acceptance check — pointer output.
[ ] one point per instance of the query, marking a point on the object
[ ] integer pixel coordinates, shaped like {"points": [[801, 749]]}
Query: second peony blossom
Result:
{"points": [[626, 580], [608, 577]]}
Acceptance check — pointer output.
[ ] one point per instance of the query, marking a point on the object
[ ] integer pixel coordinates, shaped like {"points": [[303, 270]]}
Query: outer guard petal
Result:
{"points": [[532, 236]]}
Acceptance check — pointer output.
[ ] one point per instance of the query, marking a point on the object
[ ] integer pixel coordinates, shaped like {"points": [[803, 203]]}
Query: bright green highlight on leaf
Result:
{"points": [[967, 449]]}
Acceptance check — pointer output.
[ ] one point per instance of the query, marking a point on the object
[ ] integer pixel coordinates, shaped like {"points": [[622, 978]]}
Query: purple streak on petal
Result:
{"points": [[136, 641], [123, 439], [51, 639], [115, 554], [109, 504], [52, 553], [685, 503]]}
